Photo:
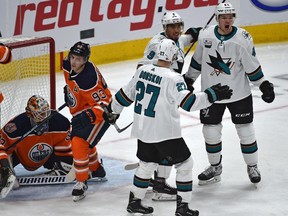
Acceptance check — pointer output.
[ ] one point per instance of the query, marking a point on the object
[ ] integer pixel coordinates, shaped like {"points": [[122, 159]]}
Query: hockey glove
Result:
{"points": [[218, 92], [189, 82], [67, 99], [108, 115], [83, 119], [194, 32], [268, 91]]}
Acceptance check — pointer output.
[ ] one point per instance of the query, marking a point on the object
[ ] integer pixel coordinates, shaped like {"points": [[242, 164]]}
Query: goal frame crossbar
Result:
{"points": [[37, 41]]}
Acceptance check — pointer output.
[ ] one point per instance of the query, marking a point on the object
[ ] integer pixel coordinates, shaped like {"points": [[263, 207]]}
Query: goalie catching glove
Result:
{"points": [[218, 92], [83, 119], [108, 114]]}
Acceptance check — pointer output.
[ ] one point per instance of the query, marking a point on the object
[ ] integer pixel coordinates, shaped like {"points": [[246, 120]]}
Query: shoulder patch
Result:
{"points": [[246, 35], [10, 127]]}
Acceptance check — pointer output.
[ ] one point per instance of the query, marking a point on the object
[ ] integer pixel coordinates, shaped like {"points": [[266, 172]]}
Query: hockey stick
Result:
{"points": [[194, 41], [45, 179], [50, 180], [131, 166], [119, 130], [37, 126]]}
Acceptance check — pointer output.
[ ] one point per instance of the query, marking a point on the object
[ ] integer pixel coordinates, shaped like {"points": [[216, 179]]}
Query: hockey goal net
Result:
{"points": [[31, 71]]}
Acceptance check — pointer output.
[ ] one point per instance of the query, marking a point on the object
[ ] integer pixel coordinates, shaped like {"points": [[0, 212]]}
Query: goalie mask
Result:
{"points": [[167, 50], [170, 18], [37, 110], [80, 49], [224, 8]]}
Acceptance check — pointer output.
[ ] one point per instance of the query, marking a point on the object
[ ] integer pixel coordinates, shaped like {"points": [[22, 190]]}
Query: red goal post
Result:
{"points": [[31, 71]]}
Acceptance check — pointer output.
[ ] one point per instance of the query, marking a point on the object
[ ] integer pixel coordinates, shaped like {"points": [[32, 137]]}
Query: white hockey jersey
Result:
{"points": [[150, 56], [157, 93], [230, 60]]}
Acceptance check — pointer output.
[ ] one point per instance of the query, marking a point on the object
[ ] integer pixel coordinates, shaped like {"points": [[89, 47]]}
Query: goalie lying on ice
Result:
{"points": [[48, 145]]}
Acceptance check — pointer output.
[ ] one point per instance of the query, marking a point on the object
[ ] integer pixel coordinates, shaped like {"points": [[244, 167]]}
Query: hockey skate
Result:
{"points": [[183, 209], [210, 175], [254, 174], [79, 190], [98, 175], [162, 191], [7, 181], [135, 206]]}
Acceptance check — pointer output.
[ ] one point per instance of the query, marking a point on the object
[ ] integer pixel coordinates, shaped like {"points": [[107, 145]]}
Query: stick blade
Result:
{"points": [[131, 166]]}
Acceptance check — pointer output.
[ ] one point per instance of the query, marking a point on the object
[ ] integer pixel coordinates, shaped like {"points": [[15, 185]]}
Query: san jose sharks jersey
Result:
{"points": [[157, 92], [150, 56], [230, 60]]}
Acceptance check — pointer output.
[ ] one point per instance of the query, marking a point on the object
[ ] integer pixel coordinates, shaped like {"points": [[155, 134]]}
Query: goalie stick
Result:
{"points": [[36, 126], [50, 180], [194, 41], [44, 179]]}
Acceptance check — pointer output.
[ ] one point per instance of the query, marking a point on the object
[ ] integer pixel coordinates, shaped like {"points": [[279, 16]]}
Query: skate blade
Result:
{"points": [[138, 214], [163, 197], [10, 182], [98, 179], [78, 198], [210, 181]]}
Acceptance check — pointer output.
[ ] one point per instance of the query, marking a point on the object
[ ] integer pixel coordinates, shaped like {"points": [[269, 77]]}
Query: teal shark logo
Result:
{"points": [[220, 65]]}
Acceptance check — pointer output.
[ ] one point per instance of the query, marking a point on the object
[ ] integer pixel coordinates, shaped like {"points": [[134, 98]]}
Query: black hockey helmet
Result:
{"points": [[81, 49]]}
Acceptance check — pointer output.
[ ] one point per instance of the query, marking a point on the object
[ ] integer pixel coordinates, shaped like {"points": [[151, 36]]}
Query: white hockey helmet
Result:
{"points": [[171, 17], [37, 108], [224, 8], [167, 50]]}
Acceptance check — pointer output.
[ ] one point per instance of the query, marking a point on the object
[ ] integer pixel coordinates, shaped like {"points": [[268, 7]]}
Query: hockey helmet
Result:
{"points": [[167, 50], [171, 17], [5, 54], [37, 108], [224, 8], [81, 49]]}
